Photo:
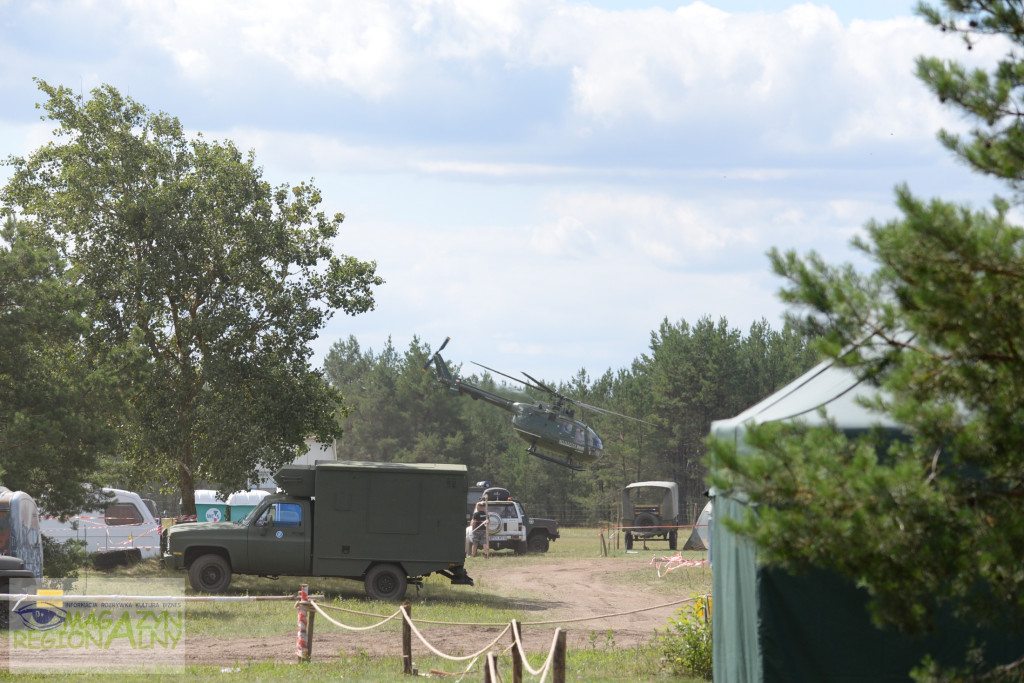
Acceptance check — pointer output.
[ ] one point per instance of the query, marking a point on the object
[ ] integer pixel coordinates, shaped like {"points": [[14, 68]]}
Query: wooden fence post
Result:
{"points": [[517, 654], [406, 638], [491, 669], [558, 665]]}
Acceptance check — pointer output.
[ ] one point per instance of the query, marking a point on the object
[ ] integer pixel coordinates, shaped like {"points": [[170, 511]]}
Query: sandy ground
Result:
{"points": [[586, 597], [548, 591]]}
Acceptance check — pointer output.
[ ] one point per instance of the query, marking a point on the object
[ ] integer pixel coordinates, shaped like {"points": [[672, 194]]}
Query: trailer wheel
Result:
{"points": [[673, 539], [386, 582], [629, 540], [209, 573], [538, 543]]}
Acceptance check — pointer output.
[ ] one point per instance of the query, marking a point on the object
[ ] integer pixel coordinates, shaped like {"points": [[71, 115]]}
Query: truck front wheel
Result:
{"points": [[386, 582], [209, 574], [538, 543]]}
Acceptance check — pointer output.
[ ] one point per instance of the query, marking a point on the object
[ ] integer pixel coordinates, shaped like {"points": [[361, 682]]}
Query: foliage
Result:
{"points": [[686, 641], [62, 560], [694, 374], [937, 327], [222, 279], [59, 398]]}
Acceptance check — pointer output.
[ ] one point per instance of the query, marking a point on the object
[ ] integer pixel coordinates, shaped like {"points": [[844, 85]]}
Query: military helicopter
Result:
{"points": [[553, 427]]}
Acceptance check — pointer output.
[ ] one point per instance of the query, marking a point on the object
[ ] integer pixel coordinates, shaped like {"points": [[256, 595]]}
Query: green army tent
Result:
{"points": [[771, 626]]}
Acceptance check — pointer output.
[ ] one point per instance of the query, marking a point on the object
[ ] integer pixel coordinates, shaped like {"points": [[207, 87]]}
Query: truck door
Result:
{"points": [[278, 540]]}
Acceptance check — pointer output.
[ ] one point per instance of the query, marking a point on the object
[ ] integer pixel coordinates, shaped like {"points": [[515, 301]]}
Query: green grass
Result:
{"points": [[437, 601], [591, 665]]}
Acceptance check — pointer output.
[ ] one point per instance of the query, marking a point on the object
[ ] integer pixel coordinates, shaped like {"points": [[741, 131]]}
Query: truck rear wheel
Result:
{"points": [[386, 582], [209, 573], [538, 543]]}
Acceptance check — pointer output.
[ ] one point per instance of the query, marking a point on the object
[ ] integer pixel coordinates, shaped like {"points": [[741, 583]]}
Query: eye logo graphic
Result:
{"points": [[41, 616]]}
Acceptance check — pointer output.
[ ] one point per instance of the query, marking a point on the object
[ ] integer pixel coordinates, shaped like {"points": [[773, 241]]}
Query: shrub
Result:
{"points": [[686, 641], [62, 560]]}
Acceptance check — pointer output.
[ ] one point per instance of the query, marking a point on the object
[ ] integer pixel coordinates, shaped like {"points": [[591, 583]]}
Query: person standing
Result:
{"points": [[478, 522]]}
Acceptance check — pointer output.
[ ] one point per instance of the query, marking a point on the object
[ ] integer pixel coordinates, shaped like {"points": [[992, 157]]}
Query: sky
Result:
{"points": [[544, 181]]}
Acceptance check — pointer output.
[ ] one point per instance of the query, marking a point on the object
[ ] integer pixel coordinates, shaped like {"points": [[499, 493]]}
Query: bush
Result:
{"points": [[62, 560], [686, 641]]}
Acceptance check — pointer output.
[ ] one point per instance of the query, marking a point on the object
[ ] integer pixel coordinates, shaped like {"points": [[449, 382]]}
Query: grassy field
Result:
{"points": [[601, 660]]}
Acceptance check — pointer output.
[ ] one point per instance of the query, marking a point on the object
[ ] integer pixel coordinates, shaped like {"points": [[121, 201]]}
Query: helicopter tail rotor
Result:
{"points": [[437, 354]]}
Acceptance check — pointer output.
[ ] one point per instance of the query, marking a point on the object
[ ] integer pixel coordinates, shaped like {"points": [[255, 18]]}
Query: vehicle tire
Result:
{"points": [[673, 539], [493, 522], [386, 582], [519, 547], [538, 543], [209, 573], [629, 540]]}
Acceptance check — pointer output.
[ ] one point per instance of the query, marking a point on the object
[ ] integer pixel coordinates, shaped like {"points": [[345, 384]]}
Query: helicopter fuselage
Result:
{"points": [[542, 426], [551, 429], [546, 428]]}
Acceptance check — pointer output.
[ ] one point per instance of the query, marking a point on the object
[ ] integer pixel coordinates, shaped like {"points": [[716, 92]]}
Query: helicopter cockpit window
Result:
{"points": [[595, 441]]}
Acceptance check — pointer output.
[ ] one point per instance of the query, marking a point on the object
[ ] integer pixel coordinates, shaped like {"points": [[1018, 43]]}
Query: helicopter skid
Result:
{"points": [[558, 461]]}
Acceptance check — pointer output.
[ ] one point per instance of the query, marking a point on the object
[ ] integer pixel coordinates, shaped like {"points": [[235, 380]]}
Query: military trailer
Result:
{"points": [[386, 524]]}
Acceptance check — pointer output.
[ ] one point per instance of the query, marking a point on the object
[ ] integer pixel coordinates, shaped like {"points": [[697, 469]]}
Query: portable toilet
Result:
{"points": [[210, 508], [241, 503]]}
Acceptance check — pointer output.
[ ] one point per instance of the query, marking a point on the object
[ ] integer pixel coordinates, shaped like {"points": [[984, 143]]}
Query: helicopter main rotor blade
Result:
{"points": [[515, 379], [598, 409], [546, 388]]}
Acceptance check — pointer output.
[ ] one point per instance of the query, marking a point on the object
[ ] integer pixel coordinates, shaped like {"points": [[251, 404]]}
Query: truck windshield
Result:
{"points": [[247, 520]]}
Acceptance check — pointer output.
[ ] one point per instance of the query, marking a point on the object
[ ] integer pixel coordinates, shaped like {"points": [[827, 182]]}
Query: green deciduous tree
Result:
{"points": [[934, 522], [60, 403], [224, 278]]}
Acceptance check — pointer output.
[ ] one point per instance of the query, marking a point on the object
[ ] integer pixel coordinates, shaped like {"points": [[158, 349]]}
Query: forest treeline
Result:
{"points": [[690, 375]]}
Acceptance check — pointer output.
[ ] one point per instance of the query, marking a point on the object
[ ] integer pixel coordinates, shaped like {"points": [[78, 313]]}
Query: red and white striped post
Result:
{"points": [[303, 649]]}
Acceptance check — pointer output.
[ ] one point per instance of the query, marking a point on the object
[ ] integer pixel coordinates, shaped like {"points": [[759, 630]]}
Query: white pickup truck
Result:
{"points": [[127, 525]]}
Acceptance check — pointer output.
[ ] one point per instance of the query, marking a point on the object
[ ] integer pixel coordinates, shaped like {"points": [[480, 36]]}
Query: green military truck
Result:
{"points": [[386, 524]]}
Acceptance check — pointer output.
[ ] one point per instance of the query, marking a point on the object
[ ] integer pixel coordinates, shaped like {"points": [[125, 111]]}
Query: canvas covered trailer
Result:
{"points": [[770, 626]]}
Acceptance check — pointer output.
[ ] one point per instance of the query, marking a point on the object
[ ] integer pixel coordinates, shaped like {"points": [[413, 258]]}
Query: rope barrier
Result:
{"points": [[326, 616], [484, 624], [606, 616], [453, 658], [517, 639], [154, 598]]}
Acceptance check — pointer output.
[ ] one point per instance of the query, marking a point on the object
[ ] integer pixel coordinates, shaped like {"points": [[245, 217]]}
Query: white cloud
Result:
{"points": [[800, 79]]}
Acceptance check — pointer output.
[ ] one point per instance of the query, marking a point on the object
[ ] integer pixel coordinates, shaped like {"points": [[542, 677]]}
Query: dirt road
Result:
{"points": [[549, 590]]}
